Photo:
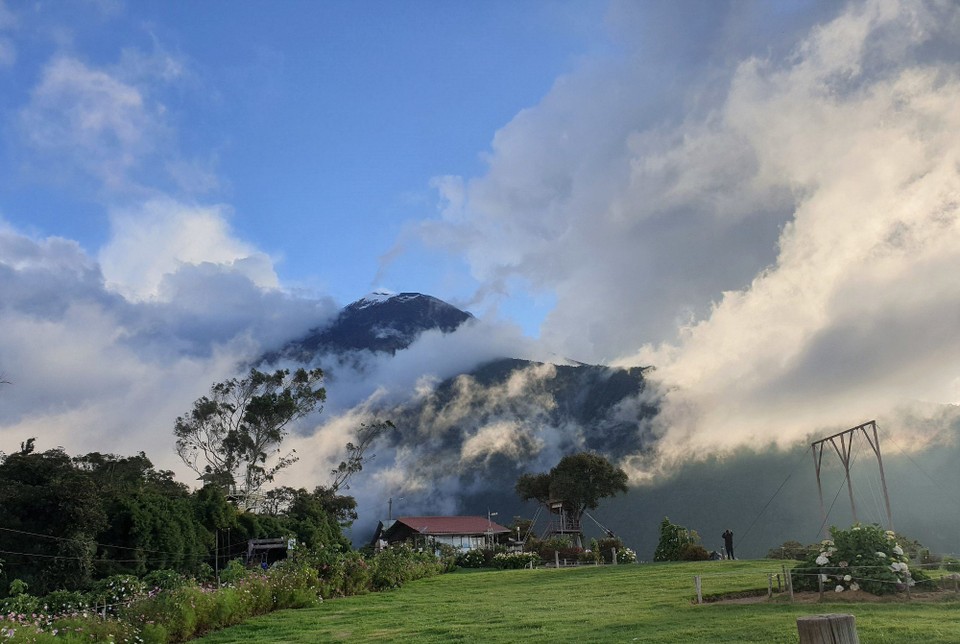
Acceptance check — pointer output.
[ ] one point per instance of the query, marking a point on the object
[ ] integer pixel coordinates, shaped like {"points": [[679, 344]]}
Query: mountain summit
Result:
{"points": [[379, 322]]}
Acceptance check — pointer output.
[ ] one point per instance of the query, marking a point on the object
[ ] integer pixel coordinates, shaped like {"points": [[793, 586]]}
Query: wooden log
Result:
{"points": [[836, 628]]}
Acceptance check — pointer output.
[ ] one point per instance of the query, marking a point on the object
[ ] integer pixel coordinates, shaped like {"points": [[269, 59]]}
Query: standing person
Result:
{"points": [[728, 542]]}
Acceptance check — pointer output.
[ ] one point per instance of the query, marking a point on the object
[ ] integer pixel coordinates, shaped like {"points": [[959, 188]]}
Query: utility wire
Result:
{"points": [[746, 532]]}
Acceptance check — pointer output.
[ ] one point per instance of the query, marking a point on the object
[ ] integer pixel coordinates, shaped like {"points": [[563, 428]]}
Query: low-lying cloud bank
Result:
{"points": [[777, 231]]}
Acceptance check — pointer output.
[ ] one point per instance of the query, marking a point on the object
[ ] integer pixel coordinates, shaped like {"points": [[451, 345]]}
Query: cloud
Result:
{"points": [[152, 240], [92, 121], [771, 223], [93, 370], [8, 51], [110, 124]]}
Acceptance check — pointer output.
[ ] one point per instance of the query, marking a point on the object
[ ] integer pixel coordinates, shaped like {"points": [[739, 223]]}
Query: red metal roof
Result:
{"points": [[452, 525]]}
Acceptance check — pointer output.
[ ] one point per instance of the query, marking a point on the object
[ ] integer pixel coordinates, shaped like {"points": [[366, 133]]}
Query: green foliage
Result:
{"points": [[514, 560], [18, 587], [791, 550], [952, 564], [678, 544], [693, 552], [233, 572], [117, 590], [42, 493], [232, 437], [394, 566], [448, 557], [356, 458], [605, 548], [100, 515], [579, 480], [648, 604], [63, 601], [21, 603], [861, 558], [471, 559], [164, 580]]}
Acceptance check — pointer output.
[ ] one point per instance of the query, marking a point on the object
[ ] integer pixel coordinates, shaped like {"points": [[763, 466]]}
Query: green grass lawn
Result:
{"points": [[627, 603]]}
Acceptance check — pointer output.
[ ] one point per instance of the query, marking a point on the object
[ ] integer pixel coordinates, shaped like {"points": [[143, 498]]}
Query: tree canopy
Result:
{"points": [[579, 480], [67, 522], [232, 437]]}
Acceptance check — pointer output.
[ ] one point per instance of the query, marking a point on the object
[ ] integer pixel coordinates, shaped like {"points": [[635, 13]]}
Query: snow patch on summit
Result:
{"points": [[371, 299]]}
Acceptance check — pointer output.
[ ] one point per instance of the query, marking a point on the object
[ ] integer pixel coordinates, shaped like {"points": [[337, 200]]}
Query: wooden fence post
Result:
{"points": [[614, 556], [556, 558], [696, 582], [836, 628], [769, 586]]}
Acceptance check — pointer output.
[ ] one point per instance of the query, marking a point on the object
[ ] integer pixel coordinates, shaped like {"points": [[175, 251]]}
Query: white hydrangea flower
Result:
{"points": [[854, 586], [847, 578], [897, 550], [881, 555], [838, 589], [822, 560], [823, 578]]}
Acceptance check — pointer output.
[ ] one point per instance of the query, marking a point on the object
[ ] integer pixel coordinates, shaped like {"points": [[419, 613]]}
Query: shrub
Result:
{"points": [[678, 544], [63, 601], [952, 564], [791, 550], [448, 557], [116, 591], [233, 572], [395, 566], [356, 574], [863, 557], [515, 560], [471, 559], [164, 579], [693, 552], [626, 555]]}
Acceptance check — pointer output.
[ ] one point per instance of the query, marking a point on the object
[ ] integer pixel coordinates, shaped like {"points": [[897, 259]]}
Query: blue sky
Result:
{"points": [[759, 199], [320, 124]]}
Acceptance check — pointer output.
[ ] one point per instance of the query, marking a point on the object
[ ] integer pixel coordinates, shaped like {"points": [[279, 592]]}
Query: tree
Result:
{"points": [[232, 437], [579, 480], [51, 513], [356, 458], [678, 544]]}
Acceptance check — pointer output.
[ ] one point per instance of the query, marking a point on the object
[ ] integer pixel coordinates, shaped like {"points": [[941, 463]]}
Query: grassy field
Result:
{"points": [[627, 603]]}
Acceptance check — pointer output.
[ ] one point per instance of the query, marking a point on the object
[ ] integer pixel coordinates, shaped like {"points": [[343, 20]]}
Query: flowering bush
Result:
{"points": [[171, 608], [395, 566], [626, 555], [471, 559], [861, 558], [117, 590], [514, 560]]}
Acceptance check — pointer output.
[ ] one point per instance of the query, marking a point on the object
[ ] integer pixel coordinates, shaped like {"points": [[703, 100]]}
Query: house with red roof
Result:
{"points": [[463, 533]]}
